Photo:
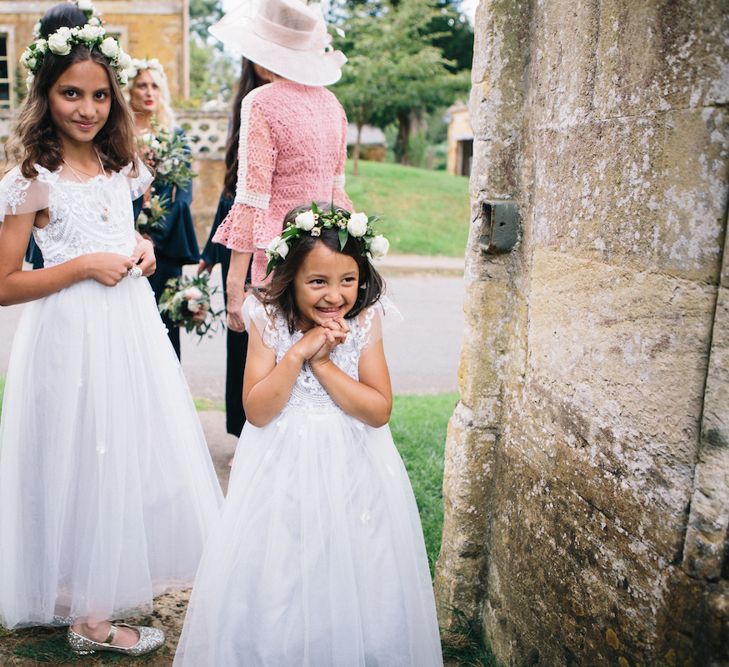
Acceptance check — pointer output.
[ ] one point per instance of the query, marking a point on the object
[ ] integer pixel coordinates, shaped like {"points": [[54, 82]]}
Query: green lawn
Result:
{"points": [[424, 212], [418, 427]]}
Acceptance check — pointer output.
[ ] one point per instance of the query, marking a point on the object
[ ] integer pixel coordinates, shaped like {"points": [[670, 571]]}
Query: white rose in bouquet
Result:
{"points": [[193, 306], [357, 224], [379, 246], [305, 221], [193, 293]]}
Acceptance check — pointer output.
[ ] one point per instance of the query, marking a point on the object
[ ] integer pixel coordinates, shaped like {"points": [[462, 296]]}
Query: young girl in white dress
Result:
{"points": [[107, 490], [318, 558]]}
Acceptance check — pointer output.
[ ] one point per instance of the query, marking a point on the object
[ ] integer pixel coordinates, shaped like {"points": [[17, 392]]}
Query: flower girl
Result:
{"points": [[107, 490], [318, 558]]}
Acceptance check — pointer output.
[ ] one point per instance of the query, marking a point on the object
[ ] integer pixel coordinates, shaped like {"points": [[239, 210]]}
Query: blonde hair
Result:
{"points": [[165, 116]]}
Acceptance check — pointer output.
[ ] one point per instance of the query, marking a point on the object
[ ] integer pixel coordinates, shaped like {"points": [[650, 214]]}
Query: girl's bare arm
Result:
{"points": [[18, 286]]}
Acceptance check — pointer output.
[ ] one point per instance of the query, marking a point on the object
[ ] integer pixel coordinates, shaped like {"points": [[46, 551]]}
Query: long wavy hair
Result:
{"points": [[247, 82], [280, 292], [35, 139]]}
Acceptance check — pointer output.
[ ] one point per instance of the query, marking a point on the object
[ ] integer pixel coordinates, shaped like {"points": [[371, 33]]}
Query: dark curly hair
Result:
{"points": [[280, 292], [35, 139]]}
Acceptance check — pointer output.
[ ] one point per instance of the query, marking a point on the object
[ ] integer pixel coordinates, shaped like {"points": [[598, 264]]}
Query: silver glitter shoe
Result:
{"points": [[150, 639]]}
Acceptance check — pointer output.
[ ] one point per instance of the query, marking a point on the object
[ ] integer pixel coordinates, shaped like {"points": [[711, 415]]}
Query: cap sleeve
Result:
{"points": [[20, 195], [255, 314], [138, 184], [373, 321]]}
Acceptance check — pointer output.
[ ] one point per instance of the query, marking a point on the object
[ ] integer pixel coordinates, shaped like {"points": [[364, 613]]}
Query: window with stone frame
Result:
{"points": [[6, 73]]}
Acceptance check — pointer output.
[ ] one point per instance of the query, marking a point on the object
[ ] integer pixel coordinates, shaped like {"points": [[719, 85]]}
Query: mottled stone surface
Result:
{"points": [[587, 465]]}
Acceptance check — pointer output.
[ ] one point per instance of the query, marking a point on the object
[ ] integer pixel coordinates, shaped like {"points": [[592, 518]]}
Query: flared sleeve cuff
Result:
{"points": [[236, 231], [257, 315], [20, 195], [138, 184]]}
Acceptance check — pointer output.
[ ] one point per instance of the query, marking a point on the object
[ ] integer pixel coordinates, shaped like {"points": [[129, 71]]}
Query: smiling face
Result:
{"points": [[325, 286], [145, 93], [80, 102]]}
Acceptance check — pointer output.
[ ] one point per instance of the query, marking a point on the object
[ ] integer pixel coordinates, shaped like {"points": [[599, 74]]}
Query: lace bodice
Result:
{"points": [[365, 330], [95, 216]]}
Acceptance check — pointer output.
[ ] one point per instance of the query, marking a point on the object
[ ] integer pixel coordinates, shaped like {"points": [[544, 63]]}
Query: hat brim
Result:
{"points": [[306, 67]]}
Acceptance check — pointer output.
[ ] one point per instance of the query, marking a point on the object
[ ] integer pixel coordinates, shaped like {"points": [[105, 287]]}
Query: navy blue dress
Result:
{"points": [[175, 244], [236, 343]]}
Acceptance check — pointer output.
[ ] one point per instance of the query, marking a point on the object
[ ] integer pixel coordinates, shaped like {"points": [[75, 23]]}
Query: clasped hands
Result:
{"points": [[318, 342]]}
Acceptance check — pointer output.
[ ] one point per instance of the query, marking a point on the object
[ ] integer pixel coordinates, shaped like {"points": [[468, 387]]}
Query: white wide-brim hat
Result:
{"points": [[286, 37]]}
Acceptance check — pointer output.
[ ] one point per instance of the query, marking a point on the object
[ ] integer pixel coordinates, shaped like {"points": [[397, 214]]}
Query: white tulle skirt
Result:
{"points": [[318, 558], [107, 490]]}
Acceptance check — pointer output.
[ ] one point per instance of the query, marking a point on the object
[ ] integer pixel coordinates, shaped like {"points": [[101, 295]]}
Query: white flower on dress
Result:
{"points": [[305, 221], [379, 246], [110, 47], [357, 225], [59, 42]]}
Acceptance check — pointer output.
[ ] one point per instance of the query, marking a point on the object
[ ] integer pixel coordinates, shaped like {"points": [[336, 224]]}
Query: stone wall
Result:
{"points": [[587, 464]]}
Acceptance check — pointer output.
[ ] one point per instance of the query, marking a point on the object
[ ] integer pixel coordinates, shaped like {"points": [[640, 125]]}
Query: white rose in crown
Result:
{"points": [[192, 293], [85, 5], [305, 221], [28, 60], [110, 47], [379, 246], [124, 60], [357, 224], [41, 45], [91, 33], [278, 247], [58, 42]]}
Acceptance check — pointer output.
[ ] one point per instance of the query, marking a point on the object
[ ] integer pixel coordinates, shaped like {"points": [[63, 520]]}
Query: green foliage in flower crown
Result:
{"points": [[187, 302], [313, 221]]}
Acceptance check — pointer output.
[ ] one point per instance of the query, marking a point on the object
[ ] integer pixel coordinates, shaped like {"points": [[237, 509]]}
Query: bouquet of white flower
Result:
{"points": [[166, 153], [152, 216], [187, 302]]}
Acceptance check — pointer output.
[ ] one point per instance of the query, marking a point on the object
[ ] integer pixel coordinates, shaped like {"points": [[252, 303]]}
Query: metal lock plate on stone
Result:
{"points": [[500, 226]]}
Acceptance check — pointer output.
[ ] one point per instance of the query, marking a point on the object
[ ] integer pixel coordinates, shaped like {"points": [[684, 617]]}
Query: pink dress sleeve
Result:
{"points": [[339, 195], [256, 163]]}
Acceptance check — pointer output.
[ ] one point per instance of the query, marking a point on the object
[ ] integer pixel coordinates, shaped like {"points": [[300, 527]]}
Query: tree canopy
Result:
{"points": [[395, 72]]}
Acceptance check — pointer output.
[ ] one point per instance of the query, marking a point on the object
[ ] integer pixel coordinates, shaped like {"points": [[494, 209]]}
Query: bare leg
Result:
{"points": [[98, 631]]}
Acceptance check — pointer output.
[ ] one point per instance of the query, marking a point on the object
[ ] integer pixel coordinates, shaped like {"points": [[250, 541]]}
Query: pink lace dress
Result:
{"points": [[292, 150]]}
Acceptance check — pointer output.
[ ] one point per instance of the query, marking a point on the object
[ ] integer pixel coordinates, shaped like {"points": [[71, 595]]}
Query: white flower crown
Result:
{"points": [[64, 39], [86, 6], [141, 64], [313, 221]]}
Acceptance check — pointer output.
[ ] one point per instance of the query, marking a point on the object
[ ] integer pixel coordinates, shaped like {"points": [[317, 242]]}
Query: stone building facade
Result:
{"points": [[587, 463], [145, 28], [460, 140]]}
